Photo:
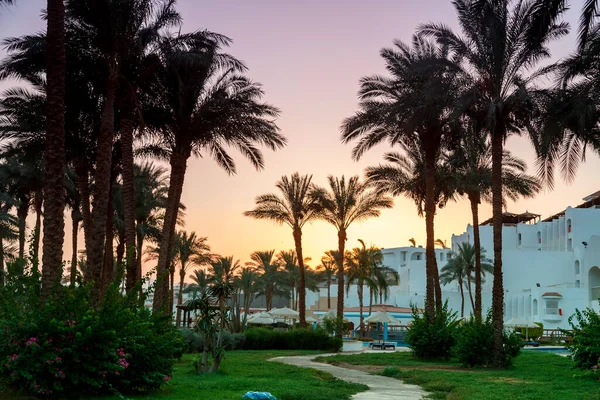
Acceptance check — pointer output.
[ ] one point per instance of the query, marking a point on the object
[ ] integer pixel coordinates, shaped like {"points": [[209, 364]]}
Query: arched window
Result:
{"points": [[519, 239], [569, 225], [577, 268], [535, 307], [539, 238]]}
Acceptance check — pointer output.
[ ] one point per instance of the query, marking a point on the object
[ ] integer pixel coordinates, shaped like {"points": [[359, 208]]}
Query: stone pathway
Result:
{"points": [[380, 387]]}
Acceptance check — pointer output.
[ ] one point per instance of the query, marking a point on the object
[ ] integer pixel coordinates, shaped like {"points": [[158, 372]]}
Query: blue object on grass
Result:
{"points": [[259, 396]]}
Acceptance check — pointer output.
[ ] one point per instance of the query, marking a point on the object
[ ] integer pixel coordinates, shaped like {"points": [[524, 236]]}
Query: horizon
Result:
{"points": [[309, 58]]}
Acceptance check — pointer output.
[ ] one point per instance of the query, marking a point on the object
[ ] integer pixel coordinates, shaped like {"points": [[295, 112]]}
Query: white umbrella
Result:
{"points": [[310, 319], [331, 314], [517, 322], [261, 319], [384, 318], [284, 313]]}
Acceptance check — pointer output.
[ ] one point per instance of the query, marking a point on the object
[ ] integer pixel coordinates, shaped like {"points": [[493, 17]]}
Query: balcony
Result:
{"points": [[551, 314]]}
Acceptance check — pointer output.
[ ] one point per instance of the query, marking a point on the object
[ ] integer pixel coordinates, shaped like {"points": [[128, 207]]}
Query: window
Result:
{"points": [[569, 225], [535, 307], [569, 244], [551, 307], [577, 269], [441, 256], [519, 239], [539, 237], [577, 283]]}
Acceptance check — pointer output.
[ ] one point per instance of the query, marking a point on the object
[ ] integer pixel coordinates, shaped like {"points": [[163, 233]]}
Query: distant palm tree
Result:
{"points": [[223, 272], [383, 277], [344, 203], [413, 242], [501, 44], [471, 164], [461, 268], [289, 263], [328, 270], [441, 243], [270, 275], [245, 286], [200, 281], [294, 208], [191, 250]]}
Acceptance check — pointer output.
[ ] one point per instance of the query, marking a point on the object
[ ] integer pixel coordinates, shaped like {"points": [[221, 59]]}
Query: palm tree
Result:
{"points": [[359, 266], [200, 281], [347, 202], [289, 262], [383, 277], [415, 105], [269, 273], [501, 45], [328, 270], [295, 208], [191, 250], [472, 169], [8, 228], [205, 105], [461, 268], [589, 18], [246, 287], [407, 175], [222, 280]]}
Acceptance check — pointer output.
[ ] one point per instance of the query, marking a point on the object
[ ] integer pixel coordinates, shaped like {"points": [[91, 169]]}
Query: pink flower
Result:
{"points": [[14, 357], [167, 378]]}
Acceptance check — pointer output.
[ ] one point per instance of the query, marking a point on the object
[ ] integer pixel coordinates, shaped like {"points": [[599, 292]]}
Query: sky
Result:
{"points": [[309, 55]]}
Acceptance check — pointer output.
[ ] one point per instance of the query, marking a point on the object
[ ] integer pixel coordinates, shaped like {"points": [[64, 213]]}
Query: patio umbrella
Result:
{"points": [[517, 322], [261, 319], [284, 313], [332, 314], [310, 319], [384, 318]]}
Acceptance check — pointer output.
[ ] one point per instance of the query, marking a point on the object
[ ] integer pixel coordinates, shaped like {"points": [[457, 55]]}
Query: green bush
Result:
{"points": [[192, 341], [295, 339], [474, 343], [432, 340], [585, 343], [68, 348]]}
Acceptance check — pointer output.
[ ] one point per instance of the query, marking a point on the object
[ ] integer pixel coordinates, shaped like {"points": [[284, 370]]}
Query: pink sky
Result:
{"points": [[309, 55]]}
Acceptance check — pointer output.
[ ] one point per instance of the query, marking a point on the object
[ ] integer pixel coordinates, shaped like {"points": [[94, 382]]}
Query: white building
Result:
{"points": [[550, 267]]}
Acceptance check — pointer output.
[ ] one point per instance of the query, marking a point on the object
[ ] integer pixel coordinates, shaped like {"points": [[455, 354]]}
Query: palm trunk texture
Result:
{"points": [[475, 200], [340, 300], [430, 292], [302, 284], [128, 202]]}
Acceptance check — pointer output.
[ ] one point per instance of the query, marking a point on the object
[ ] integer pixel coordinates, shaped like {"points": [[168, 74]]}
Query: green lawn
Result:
{"points": [[248, 370], [534, 376]]}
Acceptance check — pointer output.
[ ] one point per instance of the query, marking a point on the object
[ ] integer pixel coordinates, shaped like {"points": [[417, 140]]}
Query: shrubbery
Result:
{"points": [[192, 341], [67, 347], [295, 339], [432, 340], [585, 343], [474, 343]]}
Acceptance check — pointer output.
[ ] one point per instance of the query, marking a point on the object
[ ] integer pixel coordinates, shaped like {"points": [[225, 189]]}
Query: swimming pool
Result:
{"points": [[553, 350]]}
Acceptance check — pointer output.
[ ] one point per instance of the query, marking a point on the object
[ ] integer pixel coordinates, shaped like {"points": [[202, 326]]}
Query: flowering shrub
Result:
{"points": [[67, 346], [585, 344]]}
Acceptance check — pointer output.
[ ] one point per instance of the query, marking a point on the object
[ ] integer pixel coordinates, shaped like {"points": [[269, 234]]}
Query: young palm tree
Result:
{"points": [[294, 208], [471, 165], [246, 287], [343, 204], [417, 104], [269, 274], [384, 278], [461, 268], [289, 262], [406, 175], [205, 106], [360, 265], [222, 278], [191, 250], [502, 43], [328, 270]]}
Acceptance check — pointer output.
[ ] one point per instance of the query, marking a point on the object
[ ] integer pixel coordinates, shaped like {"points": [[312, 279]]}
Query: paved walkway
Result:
{"points": [[380, 387]]}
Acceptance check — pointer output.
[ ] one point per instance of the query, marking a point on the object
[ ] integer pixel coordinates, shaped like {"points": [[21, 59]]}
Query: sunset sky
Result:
{"points": [[310, 55]]}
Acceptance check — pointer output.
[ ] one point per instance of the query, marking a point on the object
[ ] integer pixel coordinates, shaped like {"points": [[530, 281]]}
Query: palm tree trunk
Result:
{"points": [[293, 296], [498, 290], [109, 261], [430, 264], [329, 294], [75, 217], [302, 284], [120, 253], [340, 302], [138, 261], [22, 212], [178, 168], [84, 193], [360, 307], [128, 201], [180, 295], [38, 200], [1, 262], [54, 188], [475, 200], [102, 190], [462, 298], [469, 288], [370, 301], [171, 289]]}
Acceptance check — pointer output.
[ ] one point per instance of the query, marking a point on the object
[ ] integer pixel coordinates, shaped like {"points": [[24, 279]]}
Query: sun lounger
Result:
{"points": [[383, 345]]}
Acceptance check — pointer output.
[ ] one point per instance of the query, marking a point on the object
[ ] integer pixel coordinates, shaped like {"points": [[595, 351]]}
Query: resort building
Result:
{"points": [[551, 267]]}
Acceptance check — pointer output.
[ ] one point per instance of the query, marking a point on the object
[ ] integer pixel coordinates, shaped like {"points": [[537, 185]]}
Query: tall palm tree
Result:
{"points": [[222, 278], [191, 250], [294, 208], [328, 270], [416, 103], [246, 287], [289, 263], [407, 175], [460, 268], [346, 202], [471, 164], [205, 104], [502, 43]]}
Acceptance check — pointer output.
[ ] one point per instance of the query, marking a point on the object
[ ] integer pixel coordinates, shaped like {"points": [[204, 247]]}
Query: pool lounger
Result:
{"points": [[383, 345]]}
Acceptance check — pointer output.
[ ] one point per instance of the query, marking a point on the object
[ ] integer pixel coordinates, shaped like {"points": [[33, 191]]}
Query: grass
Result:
{"points": [[242, 371], [534, 376]]}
